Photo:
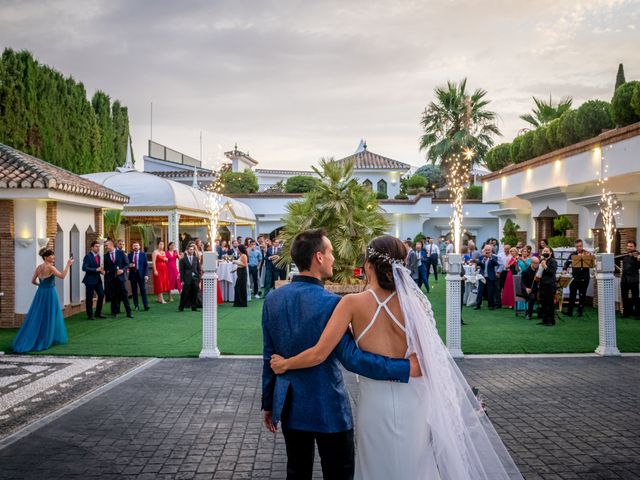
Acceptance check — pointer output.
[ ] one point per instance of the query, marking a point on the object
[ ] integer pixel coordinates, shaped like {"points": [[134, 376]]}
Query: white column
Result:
{"points": [[453, 279], [209, 306], [605, 267]]}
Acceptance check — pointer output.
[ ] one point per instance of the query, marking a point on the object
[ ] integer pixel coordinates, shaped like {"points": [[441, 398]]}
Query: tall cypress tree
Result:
{"points": [[42, 113], [620, 77]]}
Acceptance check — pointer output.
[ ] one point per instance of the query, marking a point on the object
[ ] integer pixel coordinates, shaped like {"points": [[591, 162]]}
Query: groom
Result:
{"points": [[313, 403]]}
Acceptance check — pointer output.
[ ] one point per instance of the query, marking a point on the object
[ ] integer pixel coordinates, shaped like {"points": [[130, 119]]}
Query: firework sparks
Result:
{"points": [[457, 177], [609, 205]]}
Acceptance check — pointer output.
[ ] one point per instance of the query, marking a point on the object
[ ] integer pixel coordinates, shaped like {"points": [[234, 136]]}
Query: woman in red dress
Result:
{"points": [[508, 299], [172, 269], [160, 273]]}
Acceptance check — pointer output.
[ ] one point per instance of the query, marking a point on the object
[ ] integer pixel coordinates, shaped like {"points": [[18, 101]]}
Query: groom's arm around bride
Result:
{"points": [[313, 404]]}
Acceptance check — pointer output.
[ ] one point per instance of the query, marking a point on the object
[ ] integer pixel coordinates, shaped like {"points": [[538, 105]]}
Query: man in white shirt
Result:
{"points": [[432, 257]]}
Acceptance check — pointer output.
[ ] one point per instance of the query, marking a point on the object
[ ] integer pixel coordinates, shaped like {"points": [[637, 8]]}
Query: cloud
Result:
{"points": [[292, 81]]}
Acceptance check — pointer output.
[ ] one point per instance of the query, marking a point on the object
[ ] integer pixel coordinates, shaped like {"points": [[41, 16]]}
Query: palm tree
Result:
{"points": [[456, 122], [347, 210], [112, 222], [544, 111]]}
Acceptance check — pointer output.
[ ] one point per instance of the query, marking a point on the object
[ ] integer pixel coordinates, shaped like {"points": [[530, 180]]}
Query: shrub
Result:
{"points": [[592, 117], [240, 182], [553, 134], [526, 147], [381, 196], [433, 174], [567, 132], [473, 192], [621, 110], [498, 157], [416, 181], [420, 237], [514, 150], [635, 99], [560, 241], [510, 231], [300, 184], [561, 224], [402, 196], [540, 142]]}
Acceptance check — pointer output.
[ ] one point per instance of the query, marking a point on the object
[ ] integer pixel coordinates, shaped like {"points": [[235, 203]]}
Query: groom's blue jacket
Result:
{"points": [[313, 399]]}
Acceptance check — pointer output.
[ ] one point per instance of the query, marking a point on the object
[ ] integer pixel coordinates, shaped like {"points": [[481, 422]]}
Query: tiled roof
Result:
{"points": [[231, 154], [366, 160], [284, 172], [181, 174], [20, 170]]}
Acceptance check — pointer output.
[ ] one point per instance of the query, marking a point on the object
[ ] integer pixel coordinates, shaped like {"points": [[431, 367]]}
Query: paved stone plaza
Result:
{"points": [[186, 418]]}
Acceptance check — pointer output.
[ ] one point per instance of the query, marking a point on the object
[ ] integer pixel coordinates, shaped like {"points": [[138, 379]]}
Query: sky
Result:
{"points": [[292, 81]]}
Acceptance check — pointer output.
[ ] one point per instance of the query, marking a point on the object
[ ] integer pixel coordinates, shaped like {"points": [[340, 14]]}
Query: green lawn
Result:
{"points": [[164, 332]]}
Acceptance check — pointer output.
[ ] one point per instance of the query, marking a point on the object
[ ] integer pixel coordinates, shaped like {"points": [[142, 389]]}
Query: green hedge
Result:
{"points": [[300, 184], [560, 241], [572, 127], [402, 196], [473, 192], [635, 99], [381, 196], [622, 110]]}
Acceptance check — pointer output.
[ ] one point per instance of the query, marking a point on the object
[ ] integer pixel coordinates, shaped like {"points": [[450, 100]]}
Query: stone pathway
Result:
{"points": [[562, 418], [33, 386]]}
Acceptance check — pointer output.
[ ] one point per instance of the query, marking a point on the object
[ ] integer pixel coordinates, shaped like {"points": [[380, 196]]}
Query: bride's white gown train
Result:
{"points": [[432, 427]]}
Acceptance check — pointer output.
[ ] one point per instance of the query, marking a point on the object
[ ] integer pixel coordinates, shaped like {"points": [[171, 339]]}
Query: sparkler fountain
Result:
{"points": [[605, 266], [210, 276]]}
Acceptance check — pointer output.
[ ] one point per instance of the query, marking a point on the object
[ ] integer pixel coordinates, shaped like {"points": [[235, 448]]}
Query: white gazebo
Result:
{"points": [[162, 202]]}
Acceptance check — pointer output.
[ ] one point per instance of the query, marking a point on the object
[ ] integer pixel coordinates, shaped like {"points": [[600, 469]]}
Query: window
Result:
{"points": [[382, 186], [367, 183]]}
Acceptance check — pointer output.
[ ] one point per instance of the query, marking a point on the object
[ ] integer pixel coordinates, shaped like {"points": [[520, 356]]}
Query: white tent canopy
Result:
{"points": [[151, 195]]}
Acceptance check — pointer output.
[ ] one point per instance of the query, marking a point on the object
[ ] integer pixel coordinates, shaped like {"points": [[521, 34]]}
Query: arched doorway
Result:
{"points": [[74, 277], [544, 223]]}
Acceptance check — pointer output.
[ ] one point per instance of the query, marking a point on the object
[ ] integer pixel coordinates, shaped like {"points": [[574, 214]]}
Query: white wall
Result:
{"points": [[30, 217]]}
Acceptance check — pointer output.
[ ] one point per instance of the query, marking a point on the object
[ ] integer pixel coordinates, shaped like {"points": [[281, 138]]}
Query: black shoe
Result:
{"points": [[180, 309], [527, 317], [477, 307], [541, 323], [91, 318], [194, 309], [99, 315], [550, 324], [136, 309], [147, 308], [129, 315], [462, 322]]}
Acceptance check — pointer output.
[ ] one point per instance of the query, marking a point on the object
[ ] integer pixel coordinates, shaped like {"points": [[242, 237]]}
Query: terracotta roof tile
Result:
{"points": [[367, 160], [20, 170]]}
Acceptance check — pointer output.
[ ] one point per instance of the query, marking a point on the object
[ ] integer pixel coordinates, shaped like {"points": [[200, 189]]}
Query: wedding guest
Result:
{"points": [[224, 246], [629, 281], [115, 267], [529, 286], [120, 245], [44, 325], [524, 258], [255, 259], [502, 255], [411, 260], [218, 249], [279, 273], [93, 281], [271, 273], [508, 299], [541, 245], [240, 289], [190, 274], [474, 253], [432, 258], [233, 251], [199, 248], [549, 267], [138, 276], [423, 278], [160, 274], [581, 278], [488, 265], [465, 254], [442, 251], [172, 269], [449, 246]]}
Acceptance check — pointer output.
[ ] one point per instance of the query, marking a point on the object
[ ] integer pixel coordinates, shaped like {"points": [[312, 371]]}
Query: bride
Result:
{"points": [[431, 428]]}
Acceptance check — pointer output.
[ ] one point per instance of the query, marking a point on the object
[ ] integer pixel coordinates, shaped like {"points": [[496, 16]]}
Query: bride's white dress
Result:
{"points": [[391, 440], [432, 427]]}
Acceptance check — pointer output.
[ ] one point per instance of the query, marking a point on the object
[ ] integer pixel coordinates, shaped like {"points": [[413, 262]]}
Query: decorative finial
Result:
{"points": [[365, 145], [236, 147]]}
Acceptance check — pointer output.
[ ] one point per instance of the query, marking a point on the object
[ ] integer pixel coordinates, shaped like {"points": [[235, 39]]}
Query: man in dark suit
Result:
{"points": [[115, 266], [488, 266], [190, 274], [412, 260], [529, 286], [629, 281], [93, 281], [313, 403], [138, 275], [581, 277]]}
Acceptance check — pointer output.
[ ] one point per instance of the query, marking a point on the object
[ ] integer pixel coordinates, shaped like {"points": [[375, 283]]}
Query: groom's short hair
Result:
{"points": [[305, 245]]}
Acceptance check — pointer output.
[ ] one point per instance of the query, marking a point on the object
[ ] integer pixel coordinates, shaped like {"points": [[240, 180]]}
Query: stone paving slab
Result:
{"points": [[32, 387], [562, 418]]}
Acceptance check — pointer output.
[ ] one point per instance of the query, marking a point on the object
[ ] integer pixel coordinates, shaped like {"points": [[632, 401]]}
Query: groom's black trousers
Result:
{"points": [[336, 454]]}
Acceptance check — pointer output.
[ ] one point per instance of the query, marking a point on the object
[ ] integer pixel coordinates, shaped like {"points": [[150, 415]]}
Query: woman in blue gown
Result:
{"points": [[44, 325]]}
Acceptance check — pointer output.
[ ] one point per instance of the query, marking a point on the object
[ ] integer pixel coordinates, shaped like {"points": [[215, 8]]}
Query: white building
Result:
{"points": [[42, 205], [565, 182]]}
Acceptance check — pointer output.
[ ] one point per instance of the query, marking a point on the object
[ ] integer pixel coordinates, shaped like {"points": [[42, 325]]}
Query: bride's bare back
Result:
{"points": [[384, 337]]}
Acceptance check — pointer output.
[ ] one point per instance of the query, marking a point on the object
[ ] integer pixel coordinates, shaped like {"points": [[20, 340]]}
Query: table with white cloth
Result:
{"points": [[471, 279], [227, 277]]}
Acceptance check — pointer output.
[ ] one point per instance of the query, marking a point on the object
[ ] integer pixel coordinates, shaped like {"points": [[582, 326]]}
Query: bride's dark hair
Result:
{"points": [[381, 253], [45, 252]]}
